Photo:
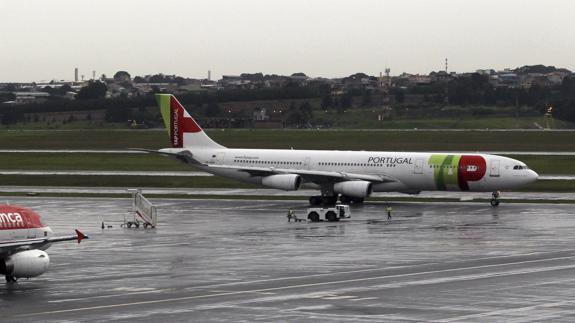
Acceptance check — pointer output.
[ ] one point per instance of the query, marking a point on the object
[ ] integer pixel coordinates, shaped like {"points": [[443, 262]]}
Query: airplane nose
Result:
{"points": [[533, 176]]}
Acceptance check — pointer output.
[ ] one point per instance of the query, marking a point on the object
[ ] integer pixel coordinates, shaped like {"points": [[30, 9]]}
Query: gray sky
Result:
{"points": [[43, 40]]}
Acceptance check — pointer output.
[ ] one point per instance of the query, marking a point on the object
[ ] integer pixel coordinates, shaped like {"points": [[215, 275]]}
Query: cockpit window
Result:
{"points": [[520, 167]]}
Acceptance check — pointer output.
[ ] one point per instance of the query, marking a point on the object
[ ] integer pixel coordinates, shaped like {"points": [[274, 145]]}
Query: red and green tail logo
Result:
{"points": [[176, 119]]}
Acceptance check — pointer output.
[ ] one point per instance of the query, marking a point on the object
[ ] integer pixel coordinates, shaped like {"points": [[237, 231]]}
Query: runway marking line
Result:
{"points": [[379, 269], [175, 299], [505, 311]]}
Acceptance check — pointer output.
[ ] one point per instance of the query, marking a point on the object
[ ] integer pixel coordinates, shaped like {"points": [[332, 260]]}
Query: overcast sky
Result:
{"points": [[43, 40]]}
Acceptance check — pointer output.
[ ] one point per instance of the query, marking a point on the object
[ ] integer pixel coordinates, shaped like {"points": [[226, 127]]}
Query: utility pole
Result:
{"points": [[446, 84]]}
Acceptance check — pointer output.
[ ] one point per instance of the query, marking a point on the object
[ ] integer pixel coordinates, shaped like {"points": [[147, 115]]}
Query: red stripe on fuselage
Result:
{"points": [[15, 217]]}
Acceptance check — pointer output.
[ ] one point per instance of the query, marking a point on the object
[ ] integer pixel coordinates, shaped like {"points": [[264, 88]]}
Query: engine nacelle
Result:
{"points": [[26, 264], [357, 189], [286, 182]]}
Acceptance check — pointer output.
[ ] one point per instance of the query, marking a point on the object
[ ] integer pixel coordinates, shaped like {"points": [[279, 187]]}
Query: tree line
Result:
{"points": [[471, 91]]}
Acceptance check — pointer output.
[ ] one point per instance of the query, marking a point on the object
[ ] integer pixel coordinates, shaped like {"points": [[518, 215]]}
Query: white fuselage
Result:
{"points": [[409, 172], [10, 234]]}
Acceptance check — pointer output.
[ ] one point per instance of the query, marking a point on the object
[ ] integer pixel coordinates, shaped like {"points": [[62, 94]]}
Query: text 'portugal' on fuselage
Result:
{"points": [[350, 175]]}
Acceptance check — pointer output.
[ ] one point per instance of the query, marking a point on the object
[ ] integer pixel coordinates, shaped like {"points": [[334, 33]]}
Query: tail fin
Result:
{"points": [[183, 130]]}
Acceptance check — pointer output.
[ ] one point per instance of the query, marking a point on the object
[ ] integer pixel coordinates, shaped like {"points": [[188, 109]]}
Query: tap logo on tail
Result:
{"points": [[177, 120]]}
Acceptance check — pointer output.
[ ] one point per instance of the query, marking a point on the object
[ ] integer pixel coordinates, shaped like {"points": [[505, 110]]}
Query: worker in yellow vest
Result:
{"points": [[388, 209]]}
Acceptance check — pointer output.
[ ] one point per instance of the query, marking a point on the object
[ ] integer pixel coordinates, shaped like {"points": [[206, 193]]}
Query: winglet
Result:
{"points": [[80, 236]]}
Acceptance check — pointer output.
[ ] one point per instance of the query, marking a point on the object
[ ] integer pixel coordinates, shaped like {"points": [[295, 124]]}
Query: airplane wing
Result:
{"points": [[7, 246], [314, 176]]}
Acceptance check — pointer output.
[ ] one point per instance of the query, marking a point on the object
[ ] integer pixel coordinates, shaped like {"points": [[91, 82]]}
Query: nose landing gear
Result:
{"points": [[11, 279], [495, 198]]}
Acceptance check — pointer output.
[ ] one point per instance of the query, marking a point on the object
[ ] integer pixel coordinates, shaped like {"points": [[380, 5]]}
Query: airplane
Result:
{"points": [[350, 176], [23, 239]]}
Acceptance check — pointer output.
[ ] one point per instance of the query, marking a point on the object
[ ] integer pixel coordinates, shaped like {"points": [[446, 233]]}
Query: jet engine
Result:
{"points": [[286, 182], [356, 189], [25, 264]]}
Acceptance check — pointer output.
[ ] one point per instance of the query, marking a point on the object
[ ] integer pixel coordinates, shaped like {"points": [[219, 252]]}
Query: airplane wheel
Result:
{"points": [[315, 200], [313, 217], [129, 225], [11, 279], [494, 202], [357, 201]]}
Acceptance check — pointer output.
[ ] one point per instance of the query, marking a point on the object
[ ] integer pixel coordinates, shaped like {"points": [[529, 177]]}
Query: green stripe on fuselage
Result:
{"points": [[445, 168]]}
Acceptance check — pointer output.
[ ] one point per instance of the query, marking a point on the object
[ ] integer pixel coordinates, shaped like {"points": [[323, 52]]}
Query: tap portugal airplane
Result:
{"points": [[23, 239], [350, 176]]}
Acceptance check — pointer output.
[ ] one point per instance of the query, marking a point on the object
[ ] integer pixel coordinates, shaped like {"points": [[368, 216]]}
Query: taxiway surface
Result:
{"points": [[239, 260]]}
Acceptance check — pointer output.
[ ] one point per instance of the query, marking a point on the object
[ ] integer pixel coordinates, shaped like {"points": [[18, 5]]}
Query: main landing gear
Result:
{"points": [[332, 200], [495, 198], [322, 200]]}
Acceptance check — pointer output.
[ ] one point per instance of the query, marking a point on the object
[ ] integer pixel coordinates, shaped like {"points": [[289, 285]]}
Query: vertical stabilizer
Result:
{"points": [[183, 130]]}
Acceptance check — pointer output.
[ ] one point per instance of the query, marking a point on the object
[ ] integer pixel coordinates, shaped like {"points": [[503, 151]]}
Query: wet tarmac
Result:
{"points": [[241, 261], [464, 196]]}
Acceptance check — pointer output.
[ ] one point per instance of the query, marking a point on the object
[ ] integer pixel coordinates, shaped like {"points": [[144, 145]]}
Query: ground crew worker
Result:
{"points": [[388, 209], [290, 215]]}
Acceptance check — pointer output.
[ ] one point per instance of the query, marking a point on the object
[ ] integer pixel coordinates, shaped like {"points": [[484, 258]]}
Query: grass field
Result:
{"points": [[368, 119], [91, 161], [302, 139]]}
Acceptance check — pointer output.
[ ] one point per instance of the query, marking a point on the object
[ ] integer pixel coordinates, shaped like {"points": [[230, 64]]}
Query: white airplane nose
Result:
{"points": [[533, 176]]}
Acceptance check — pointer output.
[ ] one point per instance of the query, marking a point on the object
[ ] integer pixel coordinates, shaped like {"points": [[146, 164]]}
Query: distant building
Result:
{"points": [[508, 80], [441, 76], [261, 118], [30, 97], [122, 76], [485, 72]]}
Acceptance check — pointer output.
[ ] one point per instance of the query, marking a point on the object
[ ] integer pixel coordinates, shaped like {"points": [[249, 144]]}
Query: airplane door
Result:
{"points": [[30, 233], [306, 162], [220, 158], [494, 169], [418, 166]]}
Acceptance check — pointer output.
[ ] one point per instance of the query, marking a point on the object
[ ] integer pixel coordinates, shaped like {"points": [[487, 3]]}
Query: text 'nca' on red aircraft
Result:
{"points": [[23, 239]]}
